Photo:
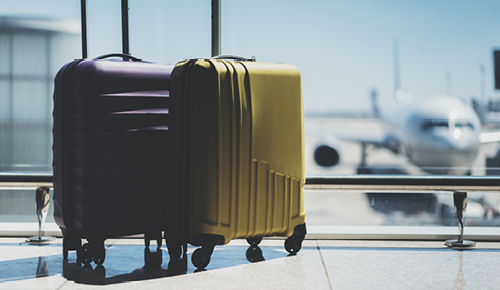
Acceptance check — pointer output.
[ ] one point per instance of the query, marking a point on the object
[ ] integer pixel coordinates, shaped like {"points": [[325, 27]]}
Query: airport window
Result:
{"points": [[376, 76]]}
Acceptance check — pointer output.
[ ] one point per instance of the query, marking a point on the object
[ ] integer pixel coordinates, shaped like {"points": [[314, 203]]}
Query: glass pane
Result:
{"points": [[30, 54], [104, 28], [5, 56], [169, 31], [19, 206], [398, 209], [64, 47], [31, 100], [410, 81], [5, 100], [374, 74], [398, 88], [33, 49]]}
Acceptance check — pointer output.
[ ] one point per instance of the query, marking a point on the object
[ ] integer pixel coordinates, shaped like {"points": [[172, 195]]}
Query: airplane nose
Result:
{"points": [[459, 140], [461, 147]]}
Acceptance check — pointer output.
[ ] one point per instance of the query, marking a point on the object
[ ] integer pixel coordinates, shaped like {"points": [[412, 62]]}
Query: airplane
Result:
{"points": [[440, 134]]}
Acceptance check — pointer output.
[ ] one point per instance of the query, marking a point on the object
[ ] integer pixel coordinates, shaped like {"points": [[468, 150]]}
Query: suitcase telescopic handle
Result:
{"points": [[234, 57], [125, 32]]}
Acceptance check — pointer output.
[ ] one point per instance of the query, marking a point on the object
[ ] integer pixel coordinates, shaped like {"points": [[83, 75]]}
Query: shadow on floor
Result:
{"points": [[123, 264]]}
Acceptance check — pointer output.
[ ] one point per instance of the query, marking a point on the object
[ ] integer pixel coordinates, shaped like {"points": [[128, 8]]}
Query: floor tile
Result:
{"points": [[411, 268]]}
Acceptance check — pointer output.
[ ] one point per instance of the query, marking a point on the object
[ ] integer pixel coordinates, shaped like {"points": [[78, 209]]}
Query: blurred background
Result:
{"points": [[354, 57]]}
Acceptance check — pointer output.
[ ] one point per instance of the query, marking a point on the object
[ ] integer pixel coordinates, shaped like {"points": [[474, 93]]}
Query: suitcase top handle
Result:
{"points": [[234, 57], [122, 55]]}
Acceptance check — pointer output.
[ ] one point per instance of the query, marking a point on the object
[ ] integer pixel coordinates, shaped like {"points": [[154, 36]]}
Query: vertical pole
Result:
{"points": [[125, 33], [84, 28], [216, 15], [484, 103], [395, 65]]}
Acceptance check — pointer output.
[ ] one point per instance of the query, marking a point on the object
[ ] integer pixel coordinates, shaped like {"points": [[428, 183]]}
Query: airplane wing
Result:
{"points": [[489, 137]]}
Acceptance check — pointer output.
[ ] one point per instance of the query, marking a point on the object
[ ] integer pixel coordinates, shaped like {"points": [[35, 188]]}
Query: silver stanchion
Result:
{"points": [[42, 208], [460, 202]]}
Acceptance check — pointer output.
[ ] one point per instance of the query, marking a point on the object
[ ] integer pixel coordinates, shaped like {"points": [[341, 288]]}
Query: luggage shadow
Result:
{"points": [[152, 269], [154, 266], [122, 264]]}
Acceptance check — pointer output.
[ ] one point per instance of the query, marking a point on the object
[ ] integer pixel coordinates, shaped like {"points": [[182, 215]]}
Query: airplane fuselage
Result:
{"points": [[440, 134]]}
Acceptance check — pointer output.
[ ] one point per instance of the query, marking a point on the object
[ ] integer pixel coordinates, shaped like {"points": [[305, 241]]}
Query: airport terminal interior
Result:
{"points": [[401, 118]]}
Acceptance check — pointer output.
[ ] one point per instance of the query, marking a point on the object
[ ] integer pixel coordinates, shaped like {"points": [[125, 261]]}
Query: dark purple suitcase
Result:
{"points": [[109, 159]]}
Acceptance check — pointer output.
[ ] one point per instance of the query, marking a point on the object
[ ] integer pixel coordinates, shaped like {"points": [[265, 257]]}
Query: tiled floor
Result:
{"points": [[321, 264]]}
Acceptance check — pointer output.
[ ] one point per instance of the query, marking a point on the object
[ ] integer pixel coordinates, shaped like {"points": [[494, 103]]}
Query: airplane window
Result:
{"points": [[464, 125], [428, 125]]}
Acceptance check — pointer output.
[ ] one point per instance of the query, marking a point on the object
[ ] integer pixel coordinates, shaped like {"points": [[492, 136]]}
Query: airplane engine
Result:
{"points": [[326, 156]]}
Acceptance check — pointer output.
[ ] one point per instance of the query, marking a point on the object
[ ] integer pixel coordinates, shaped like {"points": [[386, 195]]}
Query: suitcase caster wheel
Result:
{"points": [[201, 258], [254, 241], [293, 244], [84, 255], [99, 256], [254, 254]]}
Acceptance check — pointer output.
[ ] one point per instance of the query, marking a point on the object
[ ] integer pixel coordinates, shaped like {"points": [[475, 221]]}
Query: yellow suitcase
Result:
{"points": [[236, 155]]}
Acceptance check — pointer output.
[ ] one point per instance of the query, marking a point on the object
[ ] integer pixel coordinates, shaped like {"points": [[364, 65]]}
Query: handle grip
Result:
{"points": [[234, 57], [122, 55]]}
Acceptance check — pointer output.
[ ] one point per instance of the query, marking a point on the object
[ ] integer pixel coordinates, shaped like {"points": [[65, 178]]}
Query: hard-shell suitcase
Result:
{"points": [[238, 126], [110, 131]]}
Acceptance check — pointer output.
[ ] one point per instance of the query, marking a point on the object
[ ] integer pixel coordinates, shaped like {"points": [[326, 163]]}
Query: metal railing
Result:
{"points": [[384, 183], [404, 183], [364, 183], [25, 180]]}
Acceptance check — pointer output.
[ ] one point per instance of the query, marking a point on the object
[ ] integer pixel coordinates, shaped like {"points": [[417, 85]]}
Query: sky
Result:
{"points": [[344, 49]]}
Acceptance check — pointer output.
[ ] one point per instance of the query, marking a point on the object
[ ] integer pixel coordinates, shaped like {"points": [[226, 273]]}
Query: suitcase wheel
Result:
{"points": [[91, 252], [254, 241], [201, 257], [293, 244], [83, 254], [99, 255], [254, 254]]}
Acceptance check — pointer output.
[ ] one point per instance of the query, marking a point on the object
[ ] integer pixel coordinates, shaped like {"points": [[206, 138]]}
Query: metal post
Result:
{"points": [[395, 65], [42, 201], [216, 15], [460, 204], [125, 32], [84, 28]]}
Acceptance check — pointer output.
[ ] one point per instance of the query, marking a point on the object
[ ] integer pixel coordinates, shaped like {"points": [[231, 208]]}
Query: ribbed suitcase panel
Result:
{"points": [[250, 181], [110, 131]]}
